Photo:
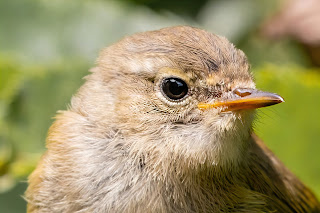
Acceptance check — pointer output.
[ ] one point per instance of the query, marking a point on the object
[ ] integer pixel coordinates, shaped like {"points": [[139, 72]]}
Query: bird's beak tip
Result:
{"points": [[282, 100]]}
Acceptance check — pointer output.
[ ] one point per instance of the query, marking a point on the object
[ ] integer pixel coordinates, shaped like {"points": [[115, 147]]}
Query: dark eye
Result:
{"points": [[174, 88]]}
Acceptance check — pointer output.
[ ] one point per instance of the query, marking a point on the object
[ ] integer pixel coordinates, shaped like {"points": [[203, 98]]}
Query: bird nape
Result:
{"points": [[164, 124]]}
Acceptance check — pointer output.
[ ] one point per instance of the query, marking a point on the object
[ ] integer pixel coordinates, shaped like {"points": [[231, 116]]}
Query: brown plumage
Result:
{"points": [[164, 124]]}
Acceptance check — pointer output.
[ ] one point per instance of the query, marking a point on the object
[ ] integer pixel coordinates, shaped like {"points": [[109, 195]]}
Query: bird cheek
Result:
{"points": [[210, 115], [225, 121]]}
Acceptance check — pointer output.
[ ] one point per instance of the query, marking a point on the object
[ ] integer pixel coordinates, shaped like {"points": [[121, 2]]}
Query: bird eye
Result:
{"points": [[174, 88]]}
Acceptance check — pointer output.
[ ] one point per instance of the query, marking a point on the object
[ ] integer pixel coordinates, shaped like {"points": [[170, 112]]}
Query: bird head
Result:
{"points": [[176, 94]]}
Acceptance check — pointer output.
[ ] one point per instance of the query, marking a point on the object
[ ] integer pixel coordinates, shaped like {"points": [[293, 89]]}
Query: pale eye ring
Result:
{"points": [[174, 89]]}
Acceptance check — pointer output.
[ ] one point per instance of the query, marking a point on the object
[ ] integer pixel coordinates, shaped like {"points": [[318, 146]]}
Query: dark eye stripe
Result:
{"points": [[174, 88]]}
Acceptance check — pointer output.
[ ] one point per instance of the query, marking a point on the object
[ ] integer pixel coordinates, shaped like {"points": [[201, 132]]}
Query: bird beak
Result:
{"points": [[244, 99]]}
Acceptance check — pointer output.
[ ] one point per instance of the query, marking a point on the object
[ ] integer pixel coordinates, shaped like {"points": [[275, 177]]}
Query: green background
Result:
{"points": [[47, 47]]}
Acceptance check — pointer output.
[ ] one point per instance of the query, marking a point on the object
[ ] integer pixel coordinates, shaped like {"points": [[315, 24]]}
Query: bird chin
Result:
{"points": [[218, 140], [222, 140]]}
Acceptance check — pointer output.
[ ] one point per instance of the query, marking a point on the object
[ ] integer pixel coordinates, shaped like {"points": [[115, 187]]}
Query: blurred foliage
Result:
{"points": [[46, 47], [291, 129], [189, 8]]}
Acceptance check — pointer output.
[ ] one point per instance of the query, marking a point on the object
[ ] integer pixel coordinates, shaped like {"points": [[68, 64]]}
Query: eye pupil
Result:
{"points": [[174, 88]]}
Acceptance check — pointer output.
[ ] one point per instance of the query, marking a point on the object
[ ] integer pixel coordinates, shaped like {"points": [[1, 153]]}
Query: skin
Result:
{"points": [[124, 147]]}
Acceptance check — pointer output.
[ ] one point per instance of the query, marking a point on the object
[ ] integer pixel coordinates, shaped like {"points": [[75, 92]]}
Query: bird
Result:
{"points": [[164, 123]]}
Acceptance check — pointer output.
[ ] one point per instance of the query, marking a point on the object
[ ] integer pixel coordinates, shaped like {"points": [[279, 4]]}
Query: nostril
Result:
{"points": [[242, 92]]}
